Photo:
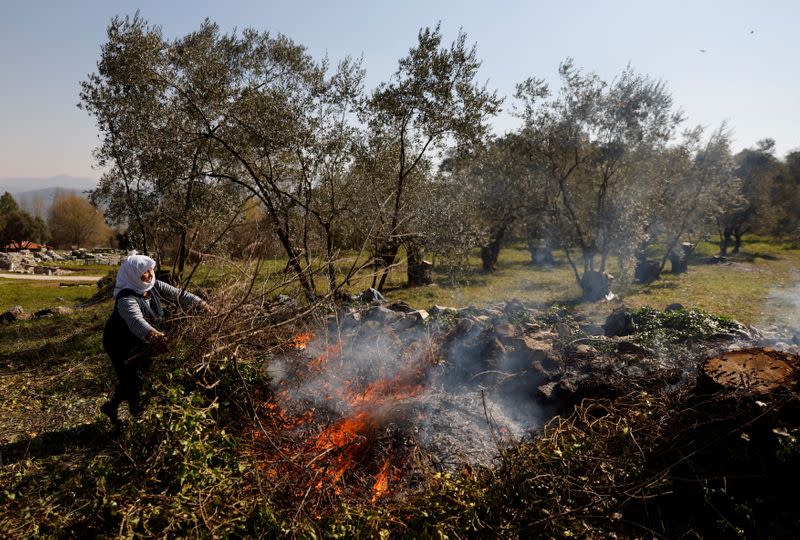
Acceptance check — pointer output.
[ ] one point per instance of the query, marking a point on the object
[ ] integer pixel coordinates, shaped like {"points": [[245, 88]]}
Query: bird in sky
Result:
{"points": [[702, 50]]}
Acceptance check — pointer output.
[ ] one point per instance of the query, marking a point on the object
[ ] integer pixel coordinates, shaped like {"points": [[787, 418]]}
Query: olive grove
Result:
{"points": [[212, 136]]}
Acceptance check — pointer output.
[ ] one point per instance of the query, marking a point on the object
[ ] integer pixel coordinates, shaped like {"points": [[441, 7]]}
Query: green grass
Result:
{"points": [[53, 373], [79, 267], [757, 286], [33, 295]]}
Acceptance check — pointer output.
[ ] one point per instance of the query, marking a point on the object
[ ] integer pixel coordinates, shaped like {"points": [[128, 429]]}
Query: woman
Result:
{"points": [[132, 333]]}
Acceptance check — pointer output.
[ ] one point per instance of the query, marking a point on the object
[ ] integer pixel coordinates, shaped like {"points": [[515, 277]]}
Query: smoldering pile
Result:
{"points": [[375, 385]]}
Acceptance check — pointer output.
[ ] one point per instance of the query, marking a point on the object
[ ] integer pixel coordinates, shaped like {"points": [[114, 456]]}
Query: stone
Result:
{"points": [[675, 307], [13, 314], [548, 367], [418, 315], [535, 349], [401, 306], [44, 270], [566, 388], [634, 349], [585, 350], [548, 390], [514, 307], [383, 315], [563, 330], [505, 331], [619, 323], [464, 326], [438, 311], [371, 295], [592, 329]]}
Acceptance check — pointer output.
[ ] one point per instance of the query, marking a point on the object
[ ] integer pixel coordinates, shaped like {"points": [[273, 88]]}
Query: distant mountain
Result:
{"points": [[36, 194], [23, 185]]}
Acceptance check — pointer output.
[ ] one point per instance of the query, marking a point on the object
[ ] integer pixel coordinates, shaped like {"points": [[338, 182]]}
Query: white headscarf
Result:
{"points": [[129, 275]]}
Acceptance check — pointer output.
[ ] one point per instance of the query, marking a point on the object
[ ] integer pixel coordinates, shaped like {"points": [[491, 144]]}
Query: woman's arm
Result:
{"points": [[179, 296], [131, 313]]}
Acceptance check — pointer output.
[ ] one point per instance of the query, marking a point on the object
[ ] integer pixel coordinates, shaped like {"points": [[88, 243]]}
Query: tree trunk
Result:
{"points": [[595, 285], [180, 262], [383, 260], [331, 265], [752, 371], [294, 264], [727, 233], [491, 251], [737, 240], [419, 270], [679, 258]]}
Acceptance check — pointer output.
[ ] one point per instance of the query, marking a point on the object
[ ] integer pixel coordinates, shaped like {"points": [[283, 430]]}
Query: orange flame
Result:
{"points": [[343, 432], [345, 435], [343, 444], [300, 341], [381, 486]]}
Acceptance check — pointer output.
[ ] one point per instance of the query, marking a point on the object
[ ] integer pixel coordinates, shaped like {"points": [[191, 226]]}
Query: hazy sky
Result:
{"points": [[745, 76]]}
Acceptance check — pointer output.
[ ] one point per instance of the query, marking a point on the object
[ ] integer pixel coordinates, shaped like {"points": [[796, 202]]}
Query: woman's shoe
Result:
{"points": [[109, 408]]}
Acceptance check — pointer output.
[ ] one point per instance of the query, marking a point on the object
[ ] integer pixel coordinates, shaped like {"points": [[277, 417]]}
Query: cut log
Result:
{"points": [[755, 370]]}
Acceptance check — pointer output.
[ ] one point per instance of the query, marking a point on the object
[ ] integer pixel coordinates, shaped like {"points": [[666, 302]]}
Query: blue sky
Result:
{"points": [[748, 79]]}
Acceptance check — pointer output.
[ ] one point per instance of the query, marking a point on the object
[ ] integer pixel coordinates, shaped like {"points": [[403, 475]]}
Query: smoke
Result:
{"points": [[781, 308], [448, 383]]}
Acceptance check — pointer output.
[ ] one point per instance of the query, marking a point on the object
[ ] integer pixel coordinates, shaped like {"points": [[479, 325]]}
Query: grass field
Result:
{"points": [[760, 285], [35, 295]]}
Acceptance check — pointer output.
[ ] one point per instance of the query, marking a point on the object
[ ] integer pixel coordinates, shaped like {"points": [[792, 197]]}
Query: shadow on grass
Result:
{"points": [[658, 285], [84, 342], [88, 436], [742, 256]]}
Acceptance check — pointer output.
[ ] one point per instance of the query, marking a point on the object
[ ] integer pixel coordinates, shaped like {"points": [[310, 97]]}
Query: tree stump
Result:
{"points": [[754, 370], [595, 285], [420, 273], [647, 271]]}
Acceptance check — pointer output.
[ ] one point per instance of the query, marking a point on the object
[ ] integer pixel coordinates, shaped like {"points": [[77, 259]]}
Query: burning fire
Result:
{"points": [[381, 486], [300, 341], [349, 441]]}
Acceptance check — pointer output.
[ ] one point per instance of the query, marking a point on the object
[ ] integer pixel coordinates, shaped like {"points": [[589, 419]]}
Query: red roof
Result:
{"points": [[16, 246]]}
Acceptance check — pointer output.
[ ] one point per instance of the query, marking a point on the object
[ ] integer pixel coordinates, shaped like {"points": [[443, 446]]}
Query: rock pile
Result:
{"points": [[21, 261], [554, 356], [27, 262]]}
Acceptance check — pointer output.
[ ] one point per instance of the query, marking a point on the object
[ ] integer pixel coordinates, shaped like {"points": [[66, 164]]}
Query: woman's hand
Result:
{"points": [[208, 308], [157, 341]]}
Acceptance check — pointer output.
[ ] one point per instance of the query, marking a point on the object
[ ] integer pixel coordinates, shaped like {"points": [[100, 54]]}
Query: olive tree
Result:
{"points": [[432, 100], [590, 139], [192, 128]]}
